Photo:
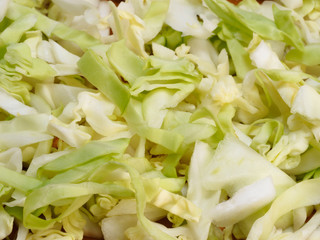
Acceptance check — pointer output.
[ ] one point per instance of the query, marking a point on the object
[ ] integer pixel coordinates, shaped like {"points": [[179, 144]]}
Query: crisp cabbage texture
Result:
{"points": [[159, 119]]}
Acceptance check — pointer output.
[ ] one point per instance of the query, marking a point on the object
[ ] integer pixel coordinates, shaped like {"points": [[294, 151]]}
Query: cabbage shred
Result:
{"points": [[159, 119]]}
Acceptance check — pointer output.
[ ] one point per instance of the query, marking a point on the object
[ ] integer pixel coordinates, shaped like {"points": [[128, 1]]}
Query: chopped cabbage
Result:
{"points": [[159, 119]]}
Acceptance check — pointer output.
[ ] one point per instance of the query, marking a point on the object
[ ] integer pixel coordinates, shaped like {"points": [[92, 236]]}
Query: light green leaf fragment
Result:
{"points": [[82, 39], [257, 23], [309, 56], [6, 223], [309, 162], [8, 73], [19, 55], [181, 65], [18, 181], [168, 139], [224, 119], [23, 138], [11, 81], [272, 93], [53, 193], [88, 152], [110, 171], [79, 173], [222, 12], [240, 21], [285, 22], [32, 122], [14, 32], [288, 75], [52, 28], [240, 57], [169, 165], [165, 138], [172, 74], [13, 106], [101, 76], [193, 132], [24, 130], [245, 21], [16, 10], [125, 62], [5, 192], [271, 130], [174, 185], [168, 37], [154, 18]]}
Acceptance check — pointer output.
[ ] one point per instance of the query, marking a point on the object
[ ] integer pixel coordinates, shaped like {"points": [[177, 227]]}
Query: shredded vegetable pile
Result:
{"points": [[158, 119]]}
